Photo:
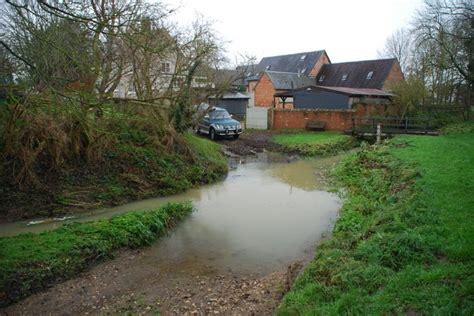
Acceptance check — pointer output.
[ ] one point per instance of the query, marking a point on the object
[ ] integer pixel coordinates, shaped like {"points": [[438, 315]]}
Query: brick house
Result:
{"points": [[280, 73], [273, 82]]}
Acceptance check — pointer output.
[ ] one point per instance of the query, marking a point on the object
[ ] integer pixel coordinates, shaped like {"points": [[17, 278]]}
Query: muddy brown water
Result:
{"points": [[266, 213]]}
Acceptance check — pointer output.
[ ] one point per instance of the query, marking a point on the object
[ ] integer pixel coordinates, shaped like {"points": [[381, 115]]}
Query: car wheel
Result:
{"points": [[236, 136], [212, 134], [198, 131]]}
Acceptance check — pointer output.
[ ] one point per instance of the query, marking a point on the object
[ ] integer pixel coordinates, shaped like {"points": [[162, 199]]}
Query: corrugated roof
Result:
{"points": [[232, 96], [300, 62], [342, 90], [356, 74], [287, 80]]}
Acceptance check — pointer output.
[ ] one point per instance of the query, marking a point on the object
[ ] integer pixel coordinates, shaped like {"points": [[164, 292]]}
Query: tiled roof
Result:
{"points": [[359, 74], [300, 62], [287, 80]]}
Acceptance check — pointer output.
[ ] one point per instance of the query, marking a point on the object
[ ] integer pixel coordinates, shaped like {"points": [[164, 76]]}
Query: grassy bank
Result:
{"points": [[403, 242], [30, 262], [314, 143], [64, 158]]}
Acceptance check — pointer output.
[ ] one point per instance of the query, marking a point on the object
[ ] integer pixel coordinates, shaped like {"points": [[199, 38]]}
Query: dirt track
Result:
{"points": [[129, 284]]}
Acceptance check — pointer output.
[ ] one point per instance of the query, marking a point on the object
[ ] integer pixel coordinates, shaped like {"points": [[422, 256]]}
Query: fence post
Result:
{"points": [[379, 133]]}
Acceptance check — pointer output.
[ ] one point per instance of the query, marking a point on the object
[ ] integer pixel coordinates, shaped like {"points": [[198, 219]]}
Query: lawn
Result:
{"points": [[403, 241], [447, 167], [314, 143], [309, 138]]}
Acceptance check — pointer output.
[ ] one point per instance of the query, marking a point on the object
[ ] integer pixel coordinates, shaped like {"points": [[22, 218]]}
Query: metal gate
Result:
{"points": [[257, 117]]}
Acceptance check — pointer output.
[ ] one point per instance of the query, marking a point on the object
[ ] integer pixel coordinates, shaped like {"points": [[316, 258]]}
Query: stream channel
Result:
{"points": [[268, 212]]}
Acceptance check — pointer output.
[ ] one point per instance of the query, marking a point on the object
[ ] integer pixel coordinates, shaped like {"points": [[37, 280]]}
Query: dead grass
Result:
{"points": [[79, 157]]}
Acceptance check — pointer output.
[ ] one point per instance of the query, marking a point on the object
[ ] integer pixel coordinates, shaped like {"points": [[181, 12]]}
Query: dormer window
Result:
{"points": [[303, 57], [303, 70], [369, 75], [344, 77], [249, 74], [321, 78], [268, 67]]}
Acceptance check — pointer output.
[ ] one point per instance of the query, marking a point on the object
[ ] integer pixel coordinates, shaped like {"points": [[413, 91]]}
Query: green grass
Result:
{"points": [[309, 138], [206, 150], [314, 143], [30, 262], [403, 241]]}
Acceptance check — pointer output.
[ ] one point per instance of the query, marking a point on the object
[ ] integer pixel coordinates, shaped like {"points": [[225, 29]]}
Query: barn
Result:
{"points": [[333, 98]]}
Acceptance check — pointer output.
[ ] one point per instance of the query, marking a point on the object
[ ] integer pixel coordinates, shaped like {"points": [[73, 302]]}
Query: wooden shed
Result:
{"points": [[333, 98], [235, 103]]}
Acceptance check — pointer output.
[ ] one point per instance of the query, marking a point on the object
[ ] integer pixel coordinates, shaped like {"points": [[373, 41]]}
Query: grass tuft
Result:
{"points": [[314, 143]]}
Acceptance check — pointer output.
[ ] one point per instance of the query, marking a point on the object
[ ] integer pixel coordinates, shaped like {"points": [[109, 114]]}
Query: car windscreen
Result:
{"points": [[218, 115]]}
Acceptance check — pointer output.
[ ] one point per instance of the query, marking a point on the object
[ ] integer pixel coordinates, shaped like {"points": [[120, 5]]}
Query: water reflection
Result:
{"points": [[259, 218]]}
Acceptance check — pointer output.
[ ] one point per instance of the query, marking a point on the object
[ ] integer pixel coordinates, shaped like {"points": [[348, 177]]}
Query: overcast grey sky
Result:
{"points": [[347, 30]]}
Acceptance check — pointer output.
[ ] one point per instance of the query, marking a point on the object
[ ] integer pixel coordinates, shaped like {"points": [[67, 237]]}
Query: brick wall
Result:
{"points": [[395, 75], [367, 110], [264, 92], [336, 120], [317, 66]]}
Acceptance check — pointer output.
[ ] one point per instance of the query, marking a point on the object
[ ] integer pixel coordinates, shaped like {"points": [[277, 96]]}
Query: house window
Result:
{"points": [[321, 78], [369, 75], [268, 67], [303, 71], [166, 67], [344, 77], [303, 57]]}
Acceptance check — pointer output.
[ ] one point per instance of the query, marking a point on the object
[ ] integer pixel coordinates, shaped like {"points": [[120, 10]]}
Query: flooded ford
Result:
{"points": [[246, 240], [264, 214]]}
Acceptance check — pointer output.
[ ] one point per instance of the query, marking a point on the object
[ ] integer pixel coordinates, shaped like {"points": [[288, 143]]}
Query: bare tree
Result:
{"points": [[445, 36], [52, 33], [437, 51], [399, 45]]}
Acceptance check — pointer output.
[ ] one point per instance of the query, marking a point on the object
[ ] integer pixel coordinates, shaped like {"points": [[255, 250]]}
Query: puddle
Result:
{"points": [[262, 216]]}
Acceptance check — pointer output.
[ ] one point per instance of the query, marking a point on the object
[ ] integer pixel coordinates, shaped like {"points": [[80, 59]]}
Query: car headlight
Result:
{"points": [[218, 126], [239, 126]]}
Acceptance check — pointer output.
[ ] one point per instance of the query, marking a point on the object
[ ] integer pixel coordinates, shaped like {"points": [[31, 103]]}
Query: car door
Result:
{"points": [[206, 123]]}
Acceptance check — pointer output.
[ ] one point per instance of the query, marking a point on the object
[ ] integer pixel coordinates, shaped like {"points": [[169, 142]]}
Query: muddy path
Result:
{"points": [[127, 284], [251, 143]]}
